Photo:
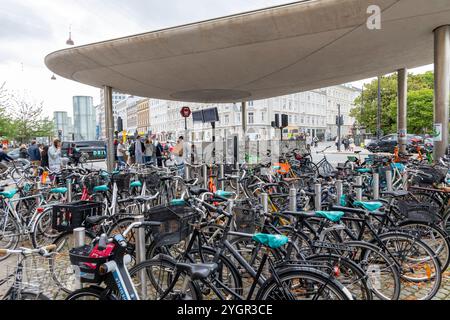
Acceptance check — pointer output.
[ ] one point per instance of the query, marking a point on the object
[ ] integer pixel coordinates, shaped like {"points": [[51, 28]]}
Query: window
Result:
{"points": [[250, 103], [251, 118], [227, 119], [263, 115]]}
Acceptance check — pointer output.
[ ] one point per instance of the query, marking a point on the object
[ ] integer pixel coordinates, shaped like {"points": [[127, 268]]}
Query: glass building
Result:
{"points": [[84, 118]]}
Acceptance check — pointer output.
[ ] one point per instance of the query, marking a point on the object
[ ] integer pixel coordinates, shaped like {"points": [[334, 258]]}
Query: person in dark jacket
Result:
{"points": [[44, 157], [4, 157], [35, 156], [158, 153]]}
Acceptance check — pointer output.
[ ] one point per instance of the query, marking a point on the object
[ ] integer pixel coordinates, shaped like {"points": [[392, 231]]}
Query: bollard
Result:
{"points": [[389, 180], [293, 199], [79, 238], [222, 176], [376, 186], [69, 190], [264, 199], [318, 196], [237, 179], [205, 176], [339, 191], [186, 172], [140, 255], [358, 182]]}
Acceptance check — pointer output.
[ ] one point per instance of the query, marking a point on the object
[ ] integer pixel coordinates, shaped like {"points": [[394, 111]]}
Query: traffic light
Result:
{"points": [[119, 124], [277, 120], [341, 122], [284, 121]]}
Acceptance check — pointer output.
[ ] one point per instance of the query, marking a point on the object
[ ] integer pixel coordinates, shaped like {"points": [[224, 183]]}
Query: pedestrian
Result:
{"points": [[308, 142], [35, 156], [159, 153], [352, 144], [121, 153], [54, 156], [139, 150], [178, 152], [131, 158], [116, 143], [149, 151], [316, 141], [23, 152], [44, 157], [336, 141], [4, 158], [346, 143]]}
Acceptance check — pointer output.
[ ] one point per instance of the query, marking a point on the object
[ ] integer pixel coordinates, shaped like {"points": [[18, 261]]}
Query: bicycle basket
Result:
{"points": [[87, 268], [419, 212], [122, 181], [151, 180], [245, 216], [175, 223], [69, 216]]}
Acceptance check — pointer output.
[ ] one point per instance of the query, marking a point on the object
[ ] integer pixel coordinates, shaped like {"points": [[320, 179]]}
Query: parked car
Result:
{"points": [[389, 142], [95, 150]]}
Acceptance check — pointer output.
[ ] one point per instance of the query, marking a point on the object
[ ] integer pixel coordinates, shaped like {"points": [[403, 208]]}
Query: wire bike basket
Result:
{"points": [[86, 267], [419, 212], [176, 223]]}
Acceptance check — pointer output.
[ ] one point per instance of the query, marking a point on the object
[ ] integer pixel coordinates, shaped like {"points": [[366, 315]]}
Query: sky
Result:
{"points": [[29, 30]]}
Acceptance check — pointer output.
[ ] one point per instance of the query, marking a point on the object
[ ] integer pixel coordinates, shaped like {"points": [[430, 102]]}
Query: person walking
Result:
{"points": [[316, 141], [121, 153], [139, 150], [346, 143], [35, 156], [308, 142], [159, 153], [54, 156], [178, 152], [352, 144], [44, 157], [149, 151]]}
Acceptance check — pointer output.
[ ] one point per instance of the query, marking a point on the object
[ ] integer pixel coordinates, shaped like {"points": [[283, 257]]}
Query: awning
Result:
{"points": [[265, 53]]}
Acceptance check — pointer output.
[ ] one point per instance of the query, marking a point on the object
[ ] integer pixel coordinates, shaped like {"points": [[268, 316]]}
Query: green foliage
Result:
{"points": [[420, 104], [24, 120]]}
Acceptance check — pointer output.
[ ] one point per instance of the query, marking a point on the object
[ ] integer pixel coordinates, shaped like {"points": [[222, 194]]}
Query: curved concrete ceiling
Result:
{"points": [[260, 54]]}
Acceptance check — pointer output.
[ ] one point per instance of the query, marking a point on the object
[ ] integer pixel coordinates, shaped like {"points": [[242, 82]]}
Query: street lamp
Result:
{"points": [[53, 77], [69, 41]]}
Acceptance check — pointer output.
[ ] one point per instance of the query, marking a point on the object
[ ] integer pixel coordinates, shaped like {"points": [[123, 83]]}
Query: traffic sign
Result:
{"points": [[185, 112]]}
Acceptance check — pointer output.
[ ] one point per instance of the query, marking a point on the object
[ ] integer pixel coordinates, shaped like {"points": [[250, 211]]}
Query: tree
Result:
{"points": [[27, 120], [419, 100]]}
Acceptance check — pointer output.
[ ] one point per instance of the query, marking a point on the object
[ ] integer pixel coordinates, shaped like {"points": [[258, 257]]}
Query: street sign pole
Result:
{"points": [[339, 128]]}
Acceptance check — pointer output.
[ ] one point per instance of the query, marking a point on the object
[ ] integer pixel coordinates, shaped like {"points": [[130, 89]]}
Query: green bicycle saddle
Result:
{"points": [[370, 206], [364, 170], [9, 194], [224, 194], [177, 202], [102, 188], [59, 190], [271, 240], [343, 200], [334, 216], [136, 184]]}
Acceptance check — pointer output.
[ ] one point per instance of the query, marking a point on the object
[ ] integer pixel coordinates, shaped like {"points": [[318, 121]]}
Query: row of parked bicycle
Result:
{"points": [[288, 230]]}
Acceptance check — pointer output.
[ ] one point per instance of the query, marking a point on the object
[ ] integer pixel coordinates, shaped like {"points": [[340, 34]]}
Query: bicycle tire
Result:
{"points": [[92, 292], [304, 275]]}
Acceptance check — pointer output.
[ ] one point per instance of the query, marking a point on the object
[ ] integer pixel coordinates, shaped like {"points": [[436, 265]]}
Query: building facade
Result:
{"points": [[63, 124], [84, 118], [143, 117]]}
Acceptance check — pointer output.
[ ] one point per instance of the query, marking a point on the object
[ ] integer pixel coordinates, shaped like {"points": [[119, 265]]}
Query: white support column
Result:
{"points": [[441, 88], [402, 84], [109, 123]]}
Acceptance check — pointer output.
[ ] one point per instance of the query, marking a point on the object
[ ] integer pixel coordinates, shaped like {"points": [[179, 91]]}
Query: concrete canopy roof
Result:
{"points": [[260, 54]]}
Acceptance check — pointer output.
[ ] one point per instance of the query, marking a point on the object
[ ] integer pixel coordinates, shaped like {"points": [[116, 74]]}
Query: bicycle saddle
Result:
{"points": [[197, 271], [198, 191], [395, 194], [95, 220], [358, 152]]}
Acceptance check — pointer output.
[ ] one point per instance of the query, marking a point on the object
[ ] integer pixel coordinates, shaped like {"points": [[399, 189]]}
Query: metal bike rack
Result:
{"points": [[358, 182], [292, 199], [339, 191], [389, 180], [318, 196], [140, 255], [376, 186]]}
